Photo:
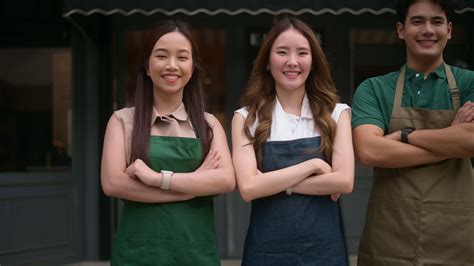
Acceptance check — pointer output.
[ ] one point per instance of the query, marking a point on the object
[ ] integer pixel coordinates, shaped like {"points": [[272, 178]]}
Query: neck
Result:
{"points": [[424, 65], [291, 101], [166, 103]]}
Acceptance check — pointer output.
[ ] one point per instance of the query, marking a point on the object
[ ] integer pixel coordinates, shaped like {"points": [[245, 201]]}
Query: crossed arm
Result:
{"points": [[138, 182], [314, 176], [425, 146]]}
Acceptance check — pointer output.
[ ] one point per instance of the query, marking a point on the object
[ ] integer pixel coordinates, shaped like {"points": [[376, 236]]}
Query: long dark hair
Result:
{"points": [[259, 97], [193, 97]]}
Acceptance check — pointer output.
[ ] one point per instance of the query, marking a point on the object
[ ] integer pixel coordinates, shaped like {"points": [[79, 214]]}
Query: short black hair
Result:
{"points": [[447, 6]]}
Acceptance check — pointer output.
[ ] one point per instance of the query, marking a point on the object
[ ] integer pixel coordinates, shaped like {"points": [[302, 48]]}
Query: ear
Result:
{"points": [[147, 69], [450, 29], [401, 30]]}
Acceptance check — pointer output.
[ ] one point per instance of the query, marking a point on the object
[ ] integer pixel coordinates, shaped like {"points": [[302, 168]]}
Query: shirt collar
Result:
{"points": [[305, 108], [179, 114], [410, 73]]}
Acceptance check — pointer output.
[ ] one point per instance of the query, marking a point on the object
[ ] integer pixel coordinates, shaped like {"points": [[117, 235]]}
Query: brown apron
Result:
{"points": [[421, 215]]}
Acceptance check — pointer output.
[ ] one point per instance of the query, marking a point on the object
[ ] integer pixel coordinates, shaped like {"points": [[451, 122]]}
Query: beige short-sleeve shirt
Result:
{"points": [[176, 124]]}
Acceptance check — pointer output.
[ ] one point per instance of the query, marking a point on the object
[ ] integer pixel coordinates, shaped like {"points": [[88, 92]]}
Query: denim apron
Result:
{"points": [[293, 229], [175, 233], [421, 215]]}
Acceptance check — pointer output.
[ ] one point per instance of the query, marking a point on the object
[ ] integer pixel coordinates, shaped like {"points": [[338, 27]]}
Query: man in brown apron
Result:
{"points": [[416, 127]]}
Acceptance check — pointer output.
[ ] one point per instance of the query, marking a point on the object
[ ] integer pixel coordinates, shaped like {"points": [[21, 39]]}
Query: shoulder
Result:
{"points": [[463, 76], [338, 109], [211, 119], [125, 115], [242, 111], [465, 83]]}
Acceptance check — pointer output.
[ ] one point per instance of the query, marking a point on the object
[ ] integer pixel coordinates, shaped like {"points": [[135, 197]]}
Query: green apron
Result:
{"points": [[176, 233], [421, 215]]}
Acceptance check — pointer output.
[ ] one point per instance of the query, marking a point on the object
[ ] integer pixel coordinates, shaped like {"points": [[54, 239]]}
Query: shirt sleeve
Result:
{"points": [[243, 112], [366, 107], [467, 91], [338, 110]]}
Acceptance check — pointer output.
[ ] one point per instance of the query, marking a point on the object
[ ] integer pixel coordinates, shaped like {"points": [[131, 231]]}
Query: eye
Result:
{"points": [[183, 58], [303, 53], [161, 56], [438, 22], [416, 21], [281, 52]]}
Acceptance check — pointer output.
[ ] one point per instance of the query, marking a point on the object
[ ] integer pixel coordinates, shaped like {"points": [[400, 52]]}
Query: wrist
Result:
{"points": [[166, 179], [404, 134]]}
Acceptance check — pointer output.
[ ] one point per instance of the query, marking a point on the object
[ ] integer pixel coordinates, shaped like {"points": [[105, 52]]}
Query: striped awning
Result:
{"points": [[237, 7]]}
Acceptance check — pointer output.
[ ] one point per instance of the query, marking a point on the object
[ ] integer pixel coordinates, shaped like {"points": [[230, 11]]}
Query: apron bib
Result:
{"points": [[296, 229], [421, 215], [176, 233]]}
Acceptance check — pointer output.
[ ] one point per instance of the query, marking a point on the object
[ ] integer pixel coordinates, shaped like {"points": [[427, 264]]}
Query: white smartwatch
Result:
{"points": [[165, 183]]}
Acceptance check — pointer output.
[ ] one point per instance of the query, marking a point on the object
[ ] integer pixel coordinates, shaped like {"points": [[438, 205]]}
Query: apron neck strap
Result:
{"points": [[453, 87]]}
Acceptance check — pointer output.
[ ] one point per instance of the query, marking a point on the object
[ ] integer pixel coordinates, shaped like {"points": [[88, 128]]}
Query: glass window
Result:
{"points": [[35, 110]]}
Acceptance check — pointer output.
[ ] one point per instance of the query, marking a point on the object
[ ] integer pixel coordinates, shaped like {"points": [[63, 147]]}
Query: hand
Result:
{"points": [[465, 114], [139, 169], [335, 196], [322, 167], [397, 136], [211, 161]]}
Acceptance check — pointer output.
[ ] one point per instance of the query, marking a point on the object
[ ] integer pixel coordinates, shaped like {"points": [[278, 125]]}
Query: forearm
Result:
{"points": [[325, 184], [454, 142], [373, 149], [253, 186], [124, 187], [205, 182]]}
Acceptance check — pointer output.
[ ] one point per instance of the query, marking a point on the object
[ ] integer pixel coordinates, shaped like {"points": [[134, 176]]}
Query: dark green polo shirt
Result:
{"points": [[373, 99]]}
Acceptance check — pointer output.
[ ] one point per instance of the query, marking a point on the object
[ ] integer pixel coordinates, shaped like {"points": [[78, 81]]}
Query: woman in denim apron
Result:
{"points": [[292, 152], [165, 158]]}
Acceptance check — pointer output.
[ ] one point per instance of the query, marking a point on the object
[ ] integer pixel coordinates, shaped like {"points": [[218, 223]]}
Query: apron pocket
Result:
{"points": [[447, 235], [168, 252], [391, 230]]}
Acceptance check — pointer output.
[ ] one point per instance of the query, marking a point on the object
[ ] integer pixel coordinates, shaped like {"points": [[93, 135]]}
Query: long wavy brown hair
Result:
{"points": [[259, 96], [193, 96]]}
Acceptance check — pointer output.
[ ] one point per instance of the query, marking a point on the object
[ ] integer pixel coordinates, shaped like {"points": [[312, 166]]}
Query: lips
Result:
{"points": [[170, 77], [291, 74], [427, 43]]}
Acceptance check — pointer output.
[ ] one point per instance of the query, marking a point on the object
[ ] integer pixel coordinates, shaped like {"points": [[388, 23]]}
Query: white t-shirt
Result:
{"points": [[289, 127]]}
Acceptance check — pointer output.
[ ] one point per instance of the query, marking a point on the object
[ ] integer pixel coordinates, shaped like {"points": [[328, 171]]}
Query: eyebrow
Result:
{"points": [[286, 48], [431, 18], [166, 50]]}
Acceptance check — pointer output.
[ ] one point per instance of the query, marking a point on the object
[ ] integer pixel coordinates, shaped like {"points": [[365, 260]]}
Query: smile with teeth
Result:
{"points": [[427, 42], [170, 77], [291, 73]]}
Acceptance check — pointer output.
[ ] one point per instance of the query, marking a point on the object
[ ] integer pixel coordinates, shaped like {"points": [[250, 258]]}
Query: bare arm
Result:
{"points": [[373, 149], [206, 180], [253, 184], [455, 141], [116, 183], [341, 178]]}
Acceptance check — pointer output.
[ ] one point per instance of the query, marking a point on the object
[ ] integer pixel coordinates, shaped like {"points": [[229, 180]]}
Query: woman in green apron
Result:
{"points": [[165, 158]]}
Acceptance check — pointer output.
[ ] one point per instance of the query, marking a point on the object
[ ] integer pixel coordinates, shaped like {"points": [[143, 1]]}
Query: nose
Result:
{"points": [[292, 60], [171, 65], [428, 28]]}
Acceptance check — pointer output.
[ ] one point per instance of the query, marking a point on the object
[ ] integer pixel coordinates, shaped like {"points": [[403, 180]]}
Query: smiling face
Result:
{"points": [[290, 60], [171, 63], [425, 31]]}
